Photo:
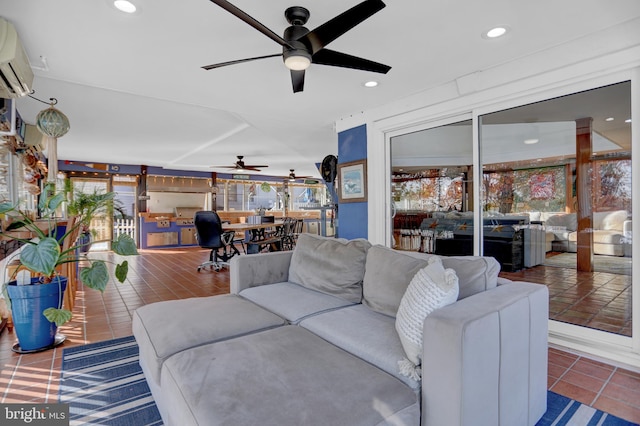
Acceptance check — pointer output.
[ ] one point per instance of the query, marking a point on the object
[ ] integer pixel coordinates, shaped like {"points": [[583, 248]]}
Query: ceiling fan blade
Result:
{"points": [[251, 21], [238, 61], [297, 80], [338, 59], [334, 28]]}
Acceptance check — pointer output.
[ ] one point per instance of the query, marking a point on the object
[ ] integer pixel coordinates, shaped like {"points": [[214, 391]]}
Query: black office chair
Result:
{"points": [[211, 236]]}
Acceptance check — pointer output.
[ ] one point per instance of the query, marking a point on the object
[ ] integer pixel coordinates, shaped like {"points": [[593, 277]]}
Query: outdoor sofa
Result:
{"points": [[309, 337]]}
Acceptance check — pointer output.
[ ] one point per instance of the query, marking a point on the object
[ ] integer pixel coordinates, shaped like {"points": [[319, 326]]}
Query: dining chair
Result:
{"points": [[210, 235]]}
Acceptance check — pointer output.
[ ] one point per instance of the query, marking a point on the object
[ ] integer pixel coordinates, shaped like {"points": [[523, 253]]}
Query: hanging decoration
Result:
{"points": [[52, 123]]}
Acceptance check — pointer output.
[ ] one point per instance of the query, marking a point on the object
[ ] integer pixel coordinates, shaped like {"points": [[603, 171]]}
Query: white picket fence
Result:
{"points": [[120, 226], [124, 226]]}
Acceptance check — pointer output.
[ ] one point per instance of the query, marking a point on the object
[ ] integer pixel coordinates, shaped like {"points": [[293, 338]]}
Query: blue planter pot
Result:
{"points": [[84, 242], [27, 304]]}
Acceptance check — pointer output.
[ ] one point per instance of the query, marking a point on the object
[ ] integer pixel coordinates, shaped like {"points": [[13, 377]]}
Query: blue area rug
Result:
{"points": [[103, 384], [563, 411]]}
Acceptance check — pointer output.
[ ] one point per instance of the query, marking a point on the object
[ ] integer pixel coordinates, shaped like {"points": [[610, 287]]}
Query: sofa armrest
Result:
{"points": [[485, 358], [258, 269]]}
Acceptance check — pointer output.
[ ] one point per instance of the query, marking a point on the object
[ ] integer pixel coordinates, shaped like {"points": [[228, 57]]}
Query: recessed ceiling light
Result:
{"points": [[531, 141], [609, 119], [628, 120], [496, 32], [371, 83], [125, 6]]}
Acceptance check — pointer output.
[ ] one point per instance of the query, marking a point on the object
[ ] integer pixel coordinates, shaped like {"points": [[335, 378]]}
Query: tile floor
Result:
{"points": [[171, 274], [596, 300]]}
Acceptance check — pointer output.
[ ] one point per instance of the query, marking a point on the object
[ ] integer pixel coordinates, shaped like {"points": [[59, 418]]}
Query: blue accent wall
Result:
{"points": [[353, 218]]}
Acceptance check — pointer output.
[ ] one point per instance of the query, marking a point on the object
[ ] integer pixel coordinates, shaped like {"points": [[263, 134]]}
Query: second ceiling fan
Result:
{"points": [[292, 176], [242, 167], [301, 47]]}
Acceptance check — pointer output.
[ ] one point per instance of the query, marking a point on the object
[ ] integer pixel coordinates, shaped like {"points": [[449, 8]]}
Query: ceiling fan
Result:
{"points": [[292, 176], [241, 166], [301, 47]]}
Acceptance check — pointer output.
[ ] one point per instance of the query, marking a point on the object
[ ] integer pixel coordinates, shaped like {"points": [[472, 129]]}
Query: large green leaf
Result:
{"points": [[59, 316], [96, 276], [122, 270], [41, 257], [55, 201], [124, 245]]}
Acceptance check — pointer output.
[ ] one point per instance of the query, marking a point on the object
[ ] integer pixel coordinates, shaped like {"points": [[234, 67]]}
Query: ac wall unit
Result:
{"points": [[33, 137], [16, 76]]}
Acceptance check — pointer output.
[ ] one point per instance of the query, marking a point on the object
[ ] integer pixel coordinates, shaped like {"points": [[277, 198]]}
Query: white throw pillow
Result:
{"points": [[432, 287]]}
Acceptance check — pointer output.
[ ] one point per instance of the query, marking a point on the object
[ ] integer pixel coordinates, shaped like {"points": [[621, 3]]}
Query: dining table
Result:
{"points": [[257, 238]]}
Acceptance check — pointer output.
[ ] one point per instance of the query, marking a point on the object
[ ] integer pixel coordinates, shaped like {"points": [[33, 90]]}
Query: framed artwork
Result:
{"points": [[352, 177], [542, 186]]}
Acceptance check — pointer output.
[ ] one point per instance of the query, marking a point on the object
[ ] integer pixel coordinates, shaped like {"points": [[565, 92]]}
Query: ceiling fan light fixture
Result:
{"points": [[297, 62], [125, 6], [496, 32]]}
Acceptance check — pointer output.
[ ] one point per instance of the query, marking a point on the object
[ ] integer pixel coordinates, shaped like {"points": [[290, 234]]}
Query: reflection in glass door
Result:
{"points": [[559, 173], [432, 189]]}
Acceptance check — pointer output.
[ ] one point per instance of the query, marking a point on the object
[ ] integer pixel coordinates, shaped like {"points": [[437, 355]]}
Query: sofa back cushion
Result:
{"points": [[567, 220], [388, 274], [386, 278], [609, 221], [333, 266]]}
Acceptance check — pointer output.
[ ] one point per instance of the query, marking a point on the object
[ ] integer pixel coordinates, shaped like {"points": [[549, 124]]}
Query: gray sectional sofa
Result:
{"points": [[308, 337]]}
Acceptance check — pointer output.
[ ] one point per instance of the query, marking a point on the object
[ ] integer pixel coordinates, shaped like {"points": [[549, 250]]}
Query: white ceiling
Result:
{"points": [[134, 91]]}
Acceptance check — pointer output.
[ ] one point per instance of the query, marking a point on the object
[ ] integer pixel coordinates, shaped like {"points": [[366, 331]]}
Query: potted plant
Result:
{"points": [[36, 303], [85, 206]]}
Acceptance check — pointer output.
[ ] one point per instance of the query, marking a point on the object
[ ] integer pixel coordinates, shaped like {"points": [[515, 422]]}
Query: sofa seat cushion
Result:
{"points": [[365, 333], [282, 376], [601, 237], [560, 234], [165, 328], [292, 301], [333, 266]]}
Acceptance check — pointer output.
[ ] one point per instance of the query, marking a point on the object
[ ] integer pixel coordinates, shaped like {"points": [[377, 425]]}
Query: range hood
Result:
{"points": [[178, 184]]}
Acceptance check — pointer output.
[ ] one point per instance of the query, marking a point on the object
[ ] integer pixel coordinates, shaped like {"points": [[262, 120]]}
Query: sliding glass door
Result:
{"points": [[557, 174]]}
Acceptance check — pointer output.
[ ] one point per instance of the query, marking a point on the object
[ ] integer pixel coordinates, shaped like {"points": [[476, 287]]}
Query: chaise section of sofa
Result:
{"points": [[283, 376], [163, 329]]}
